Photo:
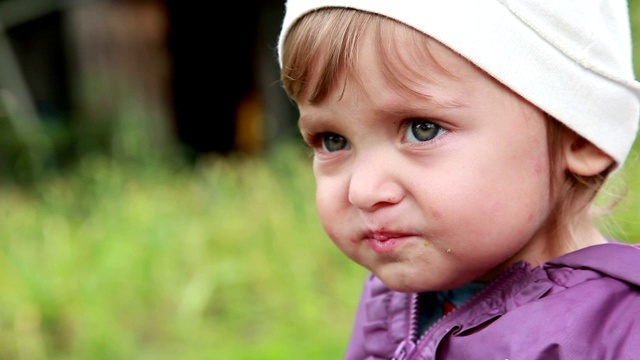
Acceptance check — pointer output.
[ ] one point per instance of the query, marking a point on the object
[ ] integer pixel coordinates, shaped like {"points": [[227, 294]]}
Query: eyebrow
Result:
{"points": [[429, 103], [402, 108], [433, 104], [306, 122]]}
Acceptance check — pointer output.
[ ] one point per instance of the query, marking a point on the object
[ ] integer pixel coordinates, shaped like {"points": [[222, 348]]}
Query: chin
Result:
{"points": [[403, 282], [413, 281]]}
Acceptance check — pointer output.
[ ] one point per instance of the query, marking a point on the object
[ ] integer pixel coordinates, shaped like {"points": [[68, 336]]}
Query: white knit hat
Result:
{"points": [[571, 58]]}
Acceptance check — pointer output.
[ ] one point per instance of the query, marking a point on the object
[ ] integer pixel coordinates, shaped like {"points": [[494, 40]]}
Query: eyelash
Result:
{"points": [[316, 141], [312, 140]]}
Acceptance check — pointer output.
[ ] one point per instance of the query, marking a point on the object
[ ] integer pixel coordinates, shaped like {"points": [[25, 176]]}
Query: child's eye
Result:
{"points": [[420, 130], [333, 142]]}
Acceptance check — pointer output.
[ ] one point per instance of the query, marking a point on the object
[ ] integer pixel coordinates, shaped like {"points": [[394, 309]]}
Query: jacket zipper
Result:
{"points": [[409, 346]]}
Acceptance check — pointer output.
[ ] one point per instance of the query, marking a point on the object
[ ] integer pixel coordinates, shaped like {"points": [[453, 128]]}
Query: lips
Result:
{"points": [[383, 242]]}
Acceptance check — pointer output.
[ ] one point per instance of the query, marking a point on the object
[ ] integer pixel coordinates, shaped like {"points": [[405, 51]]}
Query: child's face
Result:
{"points": [[429, 192]]}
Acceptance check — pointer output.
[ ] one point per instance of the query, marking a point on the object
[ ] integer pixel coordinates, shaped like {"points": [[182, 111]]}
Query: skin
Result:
{"points": [[461, 201]]}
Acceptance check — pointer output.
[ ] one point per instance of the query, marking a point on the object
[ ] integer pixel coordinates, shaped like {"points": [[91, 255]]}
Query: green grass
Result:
{"points": [[114, 261]]}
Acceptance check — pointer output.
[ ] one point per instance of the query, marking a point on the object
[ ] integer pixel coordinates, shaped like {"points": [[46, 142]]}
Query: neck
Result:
{"points": [[554, 240]]}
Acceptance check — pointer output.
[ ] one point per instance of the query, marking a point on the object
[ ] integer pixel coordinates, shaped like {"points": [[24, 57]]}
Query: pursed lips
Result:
{"points": [[383, 234], [383, 241]]}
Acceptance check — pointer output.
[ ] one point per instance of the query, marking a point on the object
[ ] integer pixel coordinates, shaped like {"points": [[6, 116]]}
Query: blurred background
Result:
{"points": [[133, 77], [155, 199]]}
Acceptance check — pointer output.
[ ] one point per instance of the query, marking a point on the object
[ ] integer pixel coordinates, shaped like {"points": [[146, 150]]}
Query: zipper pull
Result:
{"points": [[404, 350]]}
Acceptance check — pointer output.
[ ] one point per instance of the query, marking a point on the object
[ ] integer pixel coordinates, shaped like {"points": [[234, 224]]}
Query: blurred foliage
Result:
{"points": [[119, 261], [55, 144]]}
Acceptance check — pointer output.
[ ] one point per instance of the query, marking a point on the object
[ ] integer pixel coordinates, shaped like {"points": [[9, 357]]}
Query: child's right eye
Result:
{"points": [[333, 142]]}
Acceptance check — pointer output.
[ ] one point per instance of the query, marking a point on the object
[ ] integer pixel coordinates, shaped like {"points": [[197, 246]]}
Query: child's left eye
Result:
{"points": [[421, 130]]}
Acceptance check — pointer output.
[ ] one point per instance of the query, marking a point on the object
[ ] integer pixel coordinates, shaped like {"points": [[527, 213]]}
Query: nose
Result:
{"points": [[374, 183]]}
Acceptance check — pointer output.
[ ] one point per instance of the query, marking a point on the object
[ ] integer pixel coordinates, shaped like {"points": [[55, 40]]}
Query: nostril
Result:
{"points": [[370, 198], [374, 183]]}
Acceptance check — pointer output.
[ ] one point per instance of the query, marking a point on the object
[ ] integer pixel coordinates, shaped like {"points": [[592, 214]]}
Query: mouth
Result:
{"points": [[384, 242]]}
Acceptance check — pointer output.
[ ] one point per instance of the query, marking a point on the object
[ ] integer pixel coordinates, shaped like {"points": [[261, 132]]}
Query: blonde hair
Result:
{"points": [[324, 43]]}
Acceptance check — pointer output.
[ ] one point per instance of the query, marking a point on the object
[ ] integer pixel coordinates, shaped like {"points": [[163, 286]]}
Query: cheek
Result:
{"points": [[524, 197], [334, 219], [540, 167], [330, 204], [490, 192]]}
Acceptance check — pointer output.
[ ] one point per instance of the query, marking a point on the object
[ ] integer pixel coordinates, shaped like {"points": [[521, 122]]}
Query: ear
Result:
{"points": [[582, 157]]}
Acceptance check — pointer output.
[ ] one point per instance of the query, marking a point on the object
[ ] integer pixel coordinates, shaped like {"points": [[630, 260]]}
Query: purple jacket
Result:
{"points": [[583, 305]]}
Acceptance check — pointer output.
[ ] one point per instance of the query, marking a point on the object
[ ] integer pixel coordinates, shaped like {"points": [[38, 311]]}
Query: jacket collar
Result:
{"points": [[616, 260]]}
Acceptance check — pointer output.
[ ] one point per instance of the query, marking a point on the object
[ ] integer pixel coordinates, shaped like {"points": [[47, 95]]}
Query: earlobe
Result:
{"points": [[582, 157]]}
